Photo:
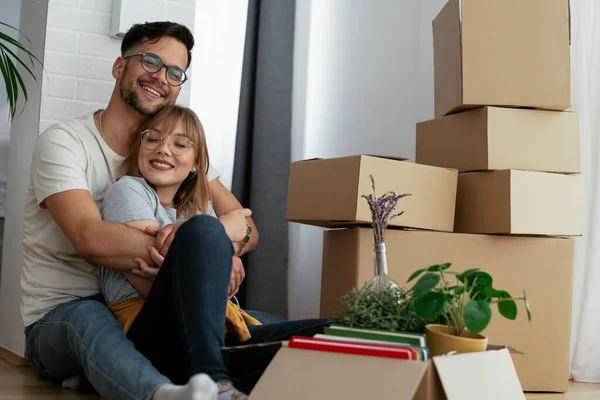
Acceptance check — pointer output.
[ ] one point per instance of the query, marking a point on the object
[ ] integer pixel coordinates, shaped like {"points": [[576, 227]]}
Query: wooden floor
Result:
{"points": [[18, 382]]}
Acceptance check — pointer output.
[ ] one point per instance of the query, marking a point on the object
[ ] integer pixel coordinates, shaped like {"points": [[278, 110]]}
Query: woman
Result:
{"points": [[177, 321]]}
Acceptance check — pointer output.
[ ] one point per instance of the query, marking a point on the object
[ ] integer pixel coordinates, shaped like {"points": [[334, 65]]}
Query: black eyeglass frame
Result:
{"points": [[162, 65]]}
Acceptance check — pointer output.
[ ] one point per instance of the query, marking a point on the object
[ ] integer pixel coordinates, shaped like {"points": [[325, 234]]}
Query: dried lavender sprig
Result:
{"points": [[381, 210]]}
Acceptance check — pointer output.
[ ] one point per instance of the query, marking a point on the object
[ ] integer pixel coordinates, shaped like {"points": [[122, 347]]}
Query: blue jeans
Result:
{"points": [[178, 333], [82, 337]]}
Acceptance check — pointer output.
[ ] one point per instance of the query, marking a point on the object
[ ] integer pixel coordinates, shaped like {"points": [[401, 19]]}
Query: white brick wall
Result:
{"points": [[79, 54]]}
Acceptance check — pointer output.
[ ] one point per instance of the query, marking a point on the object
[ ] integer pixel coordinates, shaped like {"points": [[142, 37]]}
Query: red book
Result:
{"points": [[307, 343]]}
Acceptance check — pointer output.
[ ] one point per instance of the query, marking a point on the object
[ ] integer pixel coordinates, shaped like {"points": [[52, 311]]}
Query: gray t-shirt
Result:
{"points": [[132, 199]]}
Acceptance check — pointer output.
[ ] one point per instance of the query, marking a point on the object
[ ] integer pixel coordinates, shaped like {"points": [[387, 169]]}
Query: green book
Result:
{"points": [[414, 339]]}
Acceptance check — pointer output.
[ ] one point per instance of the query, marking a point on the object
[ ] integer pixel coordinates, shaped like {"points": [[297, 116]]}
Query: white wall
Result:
{"points": [[78, 55], [363, 77], [217, 72]]}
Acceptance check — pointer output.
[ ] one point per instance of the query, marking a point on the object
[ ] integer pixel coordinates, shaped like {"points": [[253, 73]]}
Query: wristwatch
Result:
{"points": [[246, 238]]}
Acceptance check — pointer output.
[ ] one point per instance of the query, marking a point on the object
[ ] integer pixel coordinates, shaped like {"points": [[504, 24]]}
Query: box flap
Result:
{"points": [[475, 376], [386, 157], [354, 155], [296, 374], [511, 350]]}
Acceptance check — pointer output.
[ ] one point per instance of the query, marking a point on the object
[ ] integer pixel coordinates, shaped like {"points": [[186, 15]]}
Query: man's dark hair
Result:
{"points": [[156, 30]]}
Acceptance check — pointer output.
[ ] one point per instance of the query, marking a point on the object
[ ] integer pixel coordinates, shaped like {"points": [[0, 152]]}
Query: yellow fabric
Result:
{"points": [[125, 311], [236, 319]]}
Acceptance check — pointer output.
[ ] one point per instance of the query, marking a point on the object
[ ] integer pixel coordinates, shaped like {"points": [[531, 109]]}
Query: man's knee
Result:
{"points": [[89, 316]]}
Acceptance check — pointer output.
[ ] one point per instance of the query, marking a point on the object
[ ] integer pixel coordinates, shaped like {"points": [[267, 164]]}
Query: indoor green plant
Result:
{"points": [[8, 66], [463, 300], [391, 309]]}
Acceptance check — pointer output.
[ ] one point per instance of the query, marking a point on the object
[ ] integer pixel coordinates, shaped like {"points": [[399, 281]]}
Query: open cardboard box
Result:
{"points": [[543, 266], [328, 192], [296, 374]]}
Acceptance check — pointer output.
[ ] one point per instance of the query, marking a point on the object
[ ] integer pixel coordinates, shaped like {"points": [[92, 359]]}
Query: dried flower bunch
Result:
{"points": [[382, 210]]}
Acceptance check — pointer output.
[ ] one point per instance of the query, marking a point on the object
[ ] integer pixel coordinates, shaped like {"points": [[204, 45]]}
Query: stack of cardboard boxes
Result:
{"points": [[501, 66]]}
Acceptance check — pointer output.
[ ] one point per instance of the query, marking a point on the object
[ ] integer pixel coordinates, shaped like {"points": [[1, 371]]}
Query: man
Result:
{"points": [[69, 330]]}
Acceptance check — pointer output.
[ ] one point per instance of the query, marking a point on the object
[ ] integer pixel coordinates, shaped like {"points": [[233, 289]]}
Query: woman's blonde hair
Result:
{"points": [[193, 194]]}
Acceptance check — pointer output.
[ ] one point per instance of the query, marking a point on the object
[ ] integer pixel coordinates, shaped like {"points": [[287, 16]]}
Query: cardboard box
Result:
{"points": [[327, 192], [541, 266], [491, 138], [296, 374], [502, 53], [519, 202]]}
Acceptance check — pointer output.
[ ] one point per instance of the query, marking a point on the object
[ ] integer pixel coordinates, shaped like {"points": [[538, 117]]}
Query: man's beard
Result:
{"points": [[131, 99]]}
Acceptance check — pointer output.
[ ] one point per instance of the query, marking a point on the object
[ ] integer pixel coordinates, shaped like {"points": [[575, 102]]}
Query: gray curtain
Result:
{"points": [[262, 153]]}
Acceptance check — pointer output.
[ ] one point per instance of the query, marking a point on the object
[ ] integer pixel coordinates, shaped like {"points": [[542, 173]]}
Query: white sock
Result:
{"points": [[199, 387], [73, 382]]}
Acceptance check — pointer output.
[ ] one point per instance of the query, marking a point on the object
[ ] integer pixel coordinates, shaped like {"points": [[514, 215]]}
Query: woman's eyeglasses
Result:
{"points": [[178, 143], [153, 63]]}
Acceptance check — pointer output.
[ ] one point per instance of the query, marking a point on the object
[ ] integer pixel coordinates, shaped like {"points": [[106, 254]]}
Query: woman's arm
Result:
{"points": [[223, 203]]}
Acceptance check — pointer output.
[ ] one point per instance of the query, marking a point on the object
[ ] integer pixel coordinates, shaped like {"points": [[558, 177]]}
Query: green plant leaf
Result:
{"points": [[416, 273], [508, 308], [430, 306], [459, 290], [461, 277], [451, 273], [479, 279], [6, 76], [10, 73], [8, 50], [477, 315], [491, 292], [426, 283], [439, 267], [526, 300]]}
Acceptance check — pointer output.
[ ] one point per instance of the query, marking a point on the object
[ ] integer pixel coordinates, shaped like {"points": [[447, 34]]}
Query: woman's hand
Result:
{"points": [[235, 223], [146, 271]]}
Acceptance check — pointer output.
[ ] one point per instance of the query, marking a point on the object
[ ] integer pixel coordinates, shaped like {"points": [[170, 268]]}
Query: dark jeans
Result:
{"points": [[180, 328]]}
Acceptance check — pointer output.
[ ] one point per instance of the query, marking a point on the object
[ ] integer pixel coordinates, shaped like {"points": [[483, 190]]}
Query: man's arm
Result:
{"points": [[110, 244], [224, 202], [141, 284]]}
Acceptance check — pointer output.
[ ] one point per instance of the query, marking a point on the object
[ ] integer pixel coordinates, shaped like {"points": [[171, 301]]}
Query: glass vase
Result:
{"points": [[381, 281]]}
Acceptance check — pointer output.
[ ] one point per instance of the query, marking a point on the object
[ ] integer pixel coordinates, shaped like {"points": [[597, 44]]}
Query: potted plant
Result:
{"points": [[463, 300], [8, 66]]}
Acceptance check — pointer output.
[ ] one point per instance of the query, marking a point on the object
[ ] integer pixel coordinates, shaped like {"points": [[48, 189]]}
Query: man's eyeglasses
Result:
{"points": [[178, 143], [152, 64]]}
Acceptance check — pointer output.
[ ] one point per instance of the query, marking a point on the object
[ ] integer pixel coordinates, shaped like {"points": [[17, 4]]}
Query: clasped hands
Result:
{"points": [[235, 226]]}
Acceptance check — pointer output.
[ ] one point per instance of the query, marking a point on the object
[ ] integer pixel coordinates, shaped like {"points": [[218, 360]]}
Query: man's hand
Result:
{"points": [[235, 223], [164, 237], [144, 269], [237, 276]]}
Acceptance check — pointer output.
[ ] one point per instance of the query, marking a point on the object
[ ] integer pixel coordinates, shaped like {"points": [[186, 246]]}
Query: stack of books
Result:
{"points": [[343, 339]]}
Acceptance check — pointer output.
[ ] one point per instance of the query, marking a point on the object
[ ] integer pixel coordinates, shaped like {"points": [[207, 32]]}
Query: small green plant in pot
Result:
{"points": [[463, 300]]}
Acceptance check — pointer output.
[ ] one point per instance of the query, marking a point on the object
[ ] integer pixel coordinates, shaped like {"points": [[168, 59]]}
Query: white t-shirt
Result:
{"points": [[70, 155]]}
